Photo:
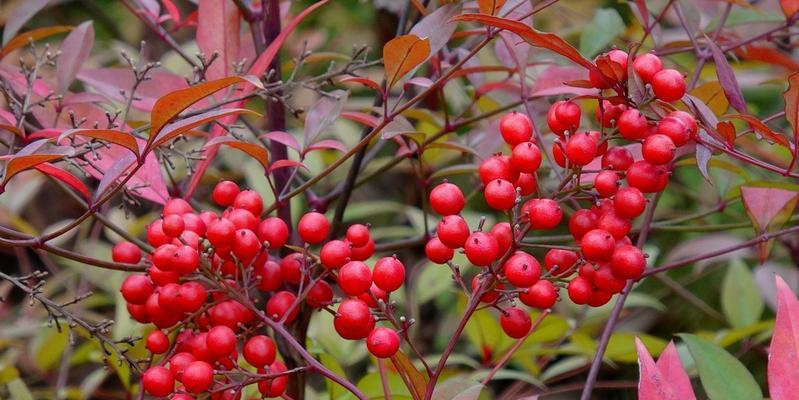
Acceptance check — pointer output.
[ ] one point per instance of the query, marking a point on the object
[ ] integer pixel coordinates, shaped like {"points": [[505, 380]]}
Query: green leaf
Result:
{"points": [[335, 390], [48, 346], [18, 390], [458, 388], [606, 26], [740, 298], [722, 375], [434, 280], [621, 347]]}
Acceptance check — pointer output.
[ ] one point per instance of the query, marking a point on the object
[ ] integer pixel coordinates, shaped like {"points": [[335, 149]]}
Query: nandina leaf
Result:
{"points": [[722, 375], [492, 86], [173, 11], [115, 171], [727, 78], [490, 7], [651, 383], [20, 14], [727, 131], [12, 129], [65, 177], [402, 54], [32, 35], [673, 371], [283, 138], [171, 131], [768, 207], [327, 144], [218, 31], [712, 95], [363, 81], [641, 4], [117, 83], [323, 114], [767, 55], [74, 50], [789, 8], [406, 367], [536, 38], [783, 352], [610, 69], [366, 119], [437, 26], [763, 129], [259, 153], [791, 96], [171, 105], [32, 155], [286, 164], [123, 139]]}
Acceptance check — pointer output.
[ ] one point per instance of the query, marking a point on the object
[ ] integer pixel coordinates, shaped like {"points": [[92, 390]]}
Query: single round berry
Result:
{"points": [[277, 386], [334, 254], [279, 304], [313, 227], [617, 158], [628, 262], [597, 245], [179, 362], [246, 245], [668, 85], [553, 122], [364, 252], [581, 149], [658, 149], [527, 184], [515, 322], [191, 297], [168, 296], [581, 222], [632, 124], [274, 231], [383, 342], [559, 262], [568, 114], [542, 295], [522, 270], [500, 194], [542, 213], [157, 342], [604, 279], [515, 128], [608, 113], [155, 234], [579, 290], [447, 199], [453, 231], [617, 226], [242, 219], [690, 127], [606, 183], [221, 341], [438, 252], [126, 252], [259, 351], [358, 235], [176, 206], [497, 167], [629, 202], [646, 66], [249, 200], [291, 268], [354, 278], [158, 381], [389, 274], [599, 298], [646, 177], [225, 193], [353, 319], [136, 289], [559, 153], [138, 312], [503, 233], [481, 249], [185, 260], [269, 275], [221, 232], [198, 377], [319, 295], [675, 129], [526, 157], [173, 225]]}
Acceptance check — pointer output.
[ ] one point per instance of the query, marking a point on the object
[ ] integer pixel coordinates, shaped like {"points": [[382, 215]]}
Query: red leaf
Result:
{"points": [[402, 54], [763, 129], [65, 177], [323, 114], [20, 14], [366, 119], [491, 86], [12, 129], [490, 7], [32, 155], [184, 125], [109, 82], [789, 8], [768, 55], [363, 81], [218, 31], [282, 137], [666, 380], [123, 139], [286, 164], [767, 206], [173, 11], [328, 144], [259, 153], [74, 51], [727, 78], [783, 376], [727, 131], [32, 35], [117, 170], [641, 4], [791, 96]]}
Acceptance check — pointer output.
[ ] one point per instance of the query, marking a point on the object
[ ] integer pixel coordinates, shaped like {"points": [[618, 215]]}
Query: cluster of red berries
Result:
{"points": [[604, 259], [207, 272]]}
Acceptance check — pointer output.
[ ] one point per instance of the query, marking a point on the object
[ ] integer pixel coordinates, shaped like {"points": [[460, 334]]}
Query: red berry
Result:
{"points": [[138, 312], [389, 274], [515, 322], [172, 225], [581, 149], [481, 249], [179, 362], [246, 245], [515, 128], [185, 260], [334, 254], [242, 219], [198, 377], [319, 295], [604, 279], [617, 226], [606, 183], [157, 342], [559, 153], [608, 114], [446, 199], [617, 159], [628, 262], [527, 184], [522, 270], [668, 85], [221, 232], [158, 381], [579, 290], [270, 276], [597, 245], [274, 231], [374, 294], [136, 289], [491, 293], [500, 194], [313, 227], [554, 124], [358, 235], [559, 262], [249, 200], [568, 114], [599, 298], [353, 319], [126, 252], [161, 277], [581, 222], [437, 252], [542, 213], [259, 351], [291, 268], [364, 252], [221, 341], [542, 295], [497, 167], [629, 202], [675, 129], [632, 124], [191, 296], [658, 149], [503, 233], [354, 278], [279, 304], [168, 297], [383, 342], [225, 193], [453, 231], [155, 234], [646, 66], [526, 157], [276, 386], [176, 206], [646, 177]]}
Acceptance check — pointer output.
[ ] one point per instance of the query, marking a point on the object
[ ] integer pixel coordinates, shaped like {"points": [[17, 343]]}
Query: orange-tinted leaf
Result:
{"points": [[173, 130], [727, 131], [712, 94], [767, 55], [783, 376], [406, 367], [65, 177], [286, 164], [12, 129], [612, 70], [402, 54], [789, 8], [366, 119], [536, 38], [763, 129], [327, 144], [363, 81], [32, 155], [123, 139], [490, 7], [23, 38], [259, 153], [791, 96]]}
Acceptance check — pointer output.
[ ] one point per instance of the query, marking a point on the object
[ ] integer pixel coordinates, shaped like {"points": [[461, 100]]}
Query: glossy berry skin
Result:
{"points": [[364, 252], [542, 213], [515, 128], [221, 341], [542, 295], [225, 193], [179, 362], [481, 249], [646, 66], [658, 149], [249, 200], [389, 274], [438, 252], [453, 231], [447, 199], [604, 279], [334, 254], [559, 153], [259, 351], [628, 262], [173, 225], [617, 159], [554, 124], [313, 227], [632, 124], [279, 304], [646, 177], [221, 232], [503, 233], [383, 342], [354, 278], [136, 289], [500, 194], [176, 206], [198, 377], [581, 222], [599, 298], [353, 319], [191, 297], [608, 114], [126, 252], [157, 342], [274, 387], [515, 322], [559, 262], [676, 129], [617, 226], [629, 202], [526, 184], [579, 290], [568, 114], [271, 278], [668, 85], [242, 219], [274, 231], [597, 245], [497, 167], [358, 235], [155, 234], [581, 149], [522, 270], [158, 381], [246, 245], [526, 157], [606, 183], [320, 295]]}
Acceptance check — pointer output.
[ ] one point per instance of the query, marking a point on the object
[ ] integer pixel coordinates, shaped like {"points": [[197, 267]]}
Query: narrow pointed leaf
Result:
{"points": [[768, 206], [32, 35], [740, 300], [173, 130], [327, 144], [74, 50], [791, 96], [283, 138], [24, 11], [722, 375], [218, 26], [789, 8], [363, 81], [651, 384], [783, 375], [259, 153], [123, 139], [490, 7], [763, 129], [323, 114], [65, 177], [286, 164], [402, 54], [727, 78], [671, 368]]}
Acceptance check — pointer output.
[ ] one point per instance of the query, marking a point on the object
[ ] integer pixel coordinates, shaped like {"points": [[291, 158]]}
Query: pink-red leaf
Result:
{"points": [[727, 132], [323, 114], [664, 380], [727, 78], [327, 144], [20, 14], [171, 131], [259, 153], [363, 81], [765, 205], [366, 119], [789, 8], [402, 54], [12, 129], [123, 139], [32, 155], [283, 138], [783, 375], [32, 35], [112, 81], [791, 96], [65, 177], [114, 172], [74, 50], [218, 31], [286, 164]]}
